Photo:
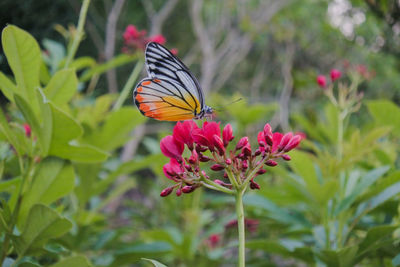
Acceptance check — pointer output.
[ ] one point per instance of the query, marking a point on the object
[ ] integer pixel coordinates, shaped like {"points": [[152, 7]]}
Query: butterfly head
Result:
{"points": [[207, 112]]}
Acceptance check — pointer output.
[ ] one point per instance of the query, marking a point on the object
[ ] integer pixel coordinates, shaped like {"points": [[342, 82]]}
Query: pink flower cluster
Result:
{"points": [[335, 75], [135, 39], [208, 144]]}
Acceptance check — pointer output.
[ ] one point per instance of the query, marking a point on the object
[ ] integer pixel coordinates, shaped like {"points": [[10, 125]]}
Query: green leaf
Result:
{"points": [[7, 87], [154, 262], [23, 56], [9, 134], [42, 224], [385, 112], [76, 261], [10, 185], [62, 87], [366, 181], [116, 128], [339, 258], [115, 62], [53, 179]]}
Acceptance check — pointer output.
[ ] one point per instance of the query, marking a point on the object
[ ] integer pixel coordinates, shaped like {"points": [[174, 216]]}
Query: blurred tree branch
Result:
{"points": [[109, 47], [225, 38], [157, 19]]}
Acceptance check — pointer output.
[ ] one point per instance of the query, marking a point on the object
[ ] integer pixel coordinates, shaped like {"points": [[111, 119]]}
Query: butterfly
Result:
{"points": [[170, 92]]}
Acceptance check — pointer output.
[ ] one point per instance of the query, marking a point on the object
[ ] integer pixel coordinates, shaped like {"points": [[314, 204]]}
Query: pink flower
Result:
{"points": [[27, 129], [194, 157], [293, 143], [276, 140], [205, 136], [242, 142], [227, 134], [321, 80], [173, 169], [213, 240], [158, 39], [335, 74], [131, 33], [219, 144], [172, 148], [183, 132], [285, 140], [174, 51]]}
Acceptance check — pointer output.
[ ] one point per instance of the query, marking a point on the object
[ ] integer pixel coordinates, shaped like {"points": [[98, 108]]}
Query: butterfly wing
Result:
{"points": [[162, 99], [163, 65]]}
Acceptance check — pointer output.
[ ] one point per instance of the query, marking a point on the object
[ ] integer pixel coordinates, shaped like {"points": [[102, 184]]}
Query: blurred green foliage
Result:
{"points": [[68, 199]]}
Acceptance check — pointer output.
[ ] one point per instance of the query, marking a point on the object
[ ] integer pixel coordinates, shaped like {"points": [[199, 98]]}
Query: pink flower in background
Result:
{"points": [[321, 80], [213, 240], [172, 148], [158, 39], [335, 74], [135, 39], [27, 129]]}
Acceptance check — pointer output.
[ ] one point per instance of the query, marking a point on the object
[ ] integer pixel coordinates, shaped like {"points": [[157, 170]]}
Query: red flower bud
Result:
{"points": [[268, 134], [217, 167], [285, 140], [245, 165], [261, 139], [182, 132], [261, 171], [271, 163], [166, 191], [194, 157], [227, 134], [219, 144], [286, 157], [321, 80], [188, 189], [203, 158], [242, 142], [228, 161], [293, 143], [218, 182], [335, 74], [27, 129], [254, 185], [247, 150], [158, 39], [225, 175]]}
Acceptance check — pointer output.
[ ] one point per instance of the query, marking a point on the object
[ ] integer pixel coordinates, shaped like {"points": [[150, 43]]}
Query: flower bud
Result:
{"points": [[242, 142], [284, 141], [166, 191], [188, 189], [254, 185], [257, 152], [321, 80], [217, 167], [271, 163], [286, 157], [335, 74], [227, 134], [178, 192], [245, 165], [261, 171], [27, 129], [228, 161], [203, 158], [200, 148], [261, 139], [194, 157], [217, 181], [268, 134], [219, 144], [247, 150], [225, 175], [293, 143]]}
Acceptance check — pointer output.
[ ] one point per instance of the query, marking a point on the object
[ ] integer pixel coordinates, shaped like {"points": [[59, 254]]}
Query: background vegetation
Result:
{"points": [[81, 173]]}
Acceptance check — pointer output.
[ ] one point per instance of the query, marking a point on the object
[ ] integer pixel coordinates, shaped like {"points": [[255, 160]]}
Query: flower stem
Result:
{"points": [[79, 33], [129, 84], [241, 230]]}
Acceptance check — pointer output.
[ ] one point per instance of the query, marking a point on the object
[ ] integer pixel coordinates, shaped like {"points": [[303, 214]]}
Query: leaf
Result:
{"points": [[76, 261], [115, 62], [365, 181], [42, 224], [23, 56], [344, 257], [385, 112], [9, 134], [53, 179], [10, 185], [154, 262], [7, 87], [62, 87], [116, 128]]}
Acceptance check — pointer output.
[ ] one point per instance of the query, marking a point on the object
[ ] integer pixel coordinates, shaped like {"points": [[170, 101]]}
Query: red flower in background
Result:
{"points": [[335, 74], [135, 39], [213, 240], [321, 80], [27, 129]]}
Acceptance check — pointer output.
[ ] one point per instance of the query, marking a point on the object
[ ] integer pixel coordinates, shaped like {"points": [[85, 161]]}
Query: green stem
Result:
{"points": [[340, 136], [210, 184], [241, 229], [253, 173], [129, 84], [79, 33]]}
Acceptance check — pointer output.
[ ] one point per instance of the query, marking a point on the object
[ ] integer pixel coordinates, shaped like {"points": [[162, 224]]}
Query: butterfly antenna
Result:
{"points": [[221, 108]]}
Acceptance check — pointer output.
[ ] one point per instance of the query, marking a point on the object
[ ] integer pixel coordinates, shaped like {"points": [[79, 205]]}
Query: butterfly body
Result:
{"points": [[171, 92]]}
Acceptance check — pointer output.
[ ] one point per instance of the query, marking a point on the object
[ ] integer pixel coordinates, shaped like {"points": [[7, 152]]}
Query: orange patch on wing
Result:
{"points": [[139, 89], [144, 107], [157, 80], [139, 97], [146, 82]]}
